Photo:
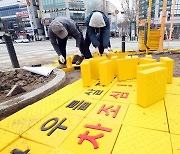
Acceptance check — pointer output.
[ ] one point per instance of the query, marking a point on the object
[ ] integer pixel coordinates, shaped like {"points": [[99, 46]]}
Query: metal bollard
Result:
{"points": [[123, 43], [11, 50]]}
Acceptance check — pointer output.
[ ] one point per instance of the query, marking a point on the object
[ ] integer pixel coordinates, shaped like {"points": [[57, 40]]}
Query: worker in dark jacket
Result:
{"points": [[59, 30], [98, 31]]}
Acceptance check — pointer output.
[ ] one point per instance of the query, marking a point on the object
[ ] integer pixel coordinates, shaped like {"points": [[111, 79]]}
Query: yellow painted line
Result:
{"points": [[22, 145], [6, 138], [152, 117], [172, 103], [53, 129], [80, 106], [106, 111], [101, 135], [175, 143], [142, 141]]}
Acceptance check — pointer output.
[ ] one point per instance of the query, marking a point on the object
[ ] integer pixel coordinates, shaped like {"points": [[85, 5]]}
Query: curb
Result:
{"points": [[11, 106]]}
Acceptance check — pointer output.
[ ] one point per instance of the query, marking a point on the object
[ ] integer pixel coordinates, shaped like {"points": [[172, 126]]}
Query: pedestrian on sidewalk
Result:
{"points": [[98, 32], [59, 30]]}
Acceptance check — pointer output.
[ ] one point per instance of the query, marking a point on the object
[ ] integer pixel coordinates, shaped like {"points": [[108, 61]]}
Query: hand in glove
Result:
{"points": [[106, 52], [109, 49], [96, 49], [61, 59]]}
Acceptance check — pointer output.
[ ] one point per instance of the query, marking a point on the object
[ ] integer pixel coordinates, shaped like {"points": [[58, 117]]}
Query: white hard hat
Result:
{"points": [[97, 20]]}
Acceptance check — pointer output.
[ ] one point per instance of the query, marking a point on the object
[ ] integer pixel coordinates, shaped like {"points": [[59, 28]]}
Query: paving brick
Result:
{"points": [[136, 140]]}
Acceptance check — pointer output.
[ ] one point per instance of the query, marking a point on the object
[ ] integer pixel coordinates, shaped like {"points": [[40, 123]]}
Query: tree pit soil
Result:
{"points": [[29, 81]]}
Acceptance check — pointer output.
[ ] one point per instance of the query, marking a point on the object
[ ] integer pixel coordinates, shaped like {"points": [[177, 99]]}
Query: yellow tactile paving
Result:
{"points": [[152, 117], [133, 140], [172, 103], [78, 106], [106, 111], [124, 96], [125, 86], [92, 137], [175, 139], [96, 91], [24, 119], [6, 138], [176, 81], [53, 129], [26, 147], [173, 89]]}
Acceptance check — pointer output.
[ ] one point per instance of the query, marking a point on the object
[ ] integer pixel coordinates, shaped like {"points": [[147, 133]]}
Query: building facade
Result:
{"points": [[156, 15], [19, 17], [50, 9]]}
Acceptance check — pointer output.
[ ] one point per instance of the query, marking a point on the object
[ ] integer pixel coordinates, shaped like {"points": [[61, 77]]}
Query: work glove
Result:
{"points": [[109, 49], [106, 52], [61, 59], [97, 49]]}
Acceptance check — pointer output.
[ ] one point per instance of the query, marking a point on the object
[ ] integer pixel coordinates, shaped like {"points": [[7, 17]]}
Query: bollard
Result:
{"points": [[11, 50], [123, 43]]}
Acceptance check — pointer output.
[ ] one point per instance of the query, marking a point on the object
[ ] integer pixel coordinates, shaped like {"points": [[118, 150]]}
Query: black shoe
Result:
{"points": [[75, 59], [79, 60]]}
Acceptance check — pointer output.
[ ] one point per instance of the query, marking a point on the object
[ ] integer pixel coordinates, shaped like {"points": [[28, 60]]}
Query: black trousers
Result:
{"points": [[84, 49], [100, 39]]}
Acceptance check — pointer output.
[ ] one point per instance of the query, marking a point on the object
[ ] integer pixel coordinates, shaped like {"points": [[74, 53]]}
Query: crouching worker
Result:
{"points": [[59, 30], [98, 31]]}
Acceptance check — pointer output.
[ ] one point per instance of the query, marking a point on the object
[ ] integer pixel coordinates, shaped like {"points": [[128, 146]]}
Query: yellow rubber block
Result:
{"points": [[146, 60], [111, 54], [170, 66], [96, 54], [121, 55], [153, 117], [140, 141], [106, 111], [114, 60], [106, 73], [6, 138], [92, 137], [53, 129], [173, 89], [80, 106], [21, 121], [68, 62], [105, 56], [175, 143], [25, 146], [120, 96], [86, 73], [172, 103], [94, 63], [150, 65], [69, 69], [149, 56], [127, 68], [151, 86], [125, 86]]}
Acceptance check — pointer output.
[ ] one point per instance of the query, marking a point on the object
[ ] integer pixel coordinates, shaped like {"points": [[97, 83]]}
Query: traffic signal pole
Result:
{"points": [[172, 20], [149, 25], [163, 20]]}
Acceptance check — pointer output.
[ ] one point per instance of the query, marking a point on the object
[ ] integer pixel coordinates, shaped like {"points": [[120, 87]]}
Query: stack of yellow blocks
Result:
{"points": [[151, 86]]}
